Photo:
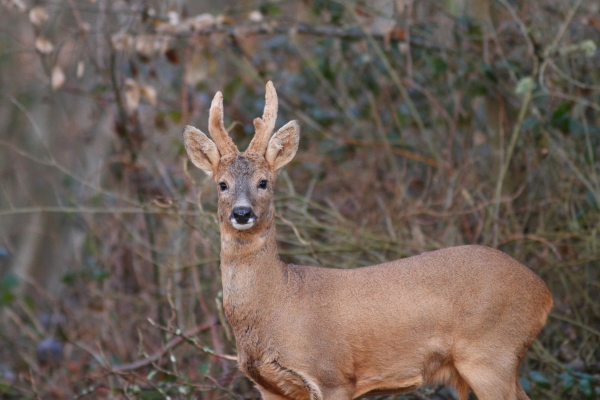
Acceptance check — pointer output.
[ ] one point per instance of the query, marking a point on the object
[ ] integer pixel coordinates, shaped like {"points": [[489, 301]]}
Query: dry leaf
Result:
{"points": [[58, 78], [165, 28], [201, 22], [37, 15], [173, 17], [18, 4], [85, 27], [398, 34], [121, 41], [144, 45], [43, 45], [172, 56], [149, 93], [150, 45], [255, 16], [223, 19], [132, 95], [197, 70], [80, 69]]}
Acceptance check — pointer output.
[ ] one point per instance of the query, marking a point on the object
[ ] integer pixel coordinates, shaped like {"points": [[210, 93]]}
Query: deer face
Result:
{"points": [[245, 186], [245, 180]]}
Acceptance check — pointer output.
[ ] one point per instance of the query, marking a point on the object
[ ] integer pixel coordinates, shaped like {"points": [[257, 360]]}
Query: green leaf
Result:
{"points": [[489, 72], [336, 11], [525, 85], [585, 387], [540, 379], [530, 122], [69, 278], [6, 297], [270, 9], [560, 118], [525, 384], [439, 66], [567, 380], [9, 282], [583, 375]]}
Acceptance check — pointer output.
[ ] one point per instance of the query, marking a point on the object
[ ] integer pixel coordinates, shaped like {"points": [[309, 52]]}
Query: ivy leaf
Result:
{"points": [[540, 379]]}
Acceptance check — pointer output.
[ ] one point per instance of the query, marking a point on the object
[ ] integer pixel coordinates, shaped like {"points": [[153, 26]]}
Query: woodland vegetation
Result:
{"points": [[425, 124]]}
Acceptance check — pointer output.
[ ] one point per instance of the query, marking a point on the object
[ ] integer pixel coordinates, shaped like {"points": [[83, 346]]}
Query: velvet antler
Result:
{"points": [[216, 128], [264, 126]]}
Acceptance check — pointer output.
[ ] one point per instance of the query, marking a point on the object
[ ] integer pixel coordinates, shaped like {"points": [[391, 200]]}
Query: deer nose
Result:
{"points": [[242, 214]]}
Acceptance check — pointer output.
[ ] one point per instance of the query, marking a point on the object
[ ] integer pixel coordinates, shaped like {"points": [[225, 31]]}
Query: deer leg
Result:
{"points": [[490, 381], [338, 393], [265, 395]]}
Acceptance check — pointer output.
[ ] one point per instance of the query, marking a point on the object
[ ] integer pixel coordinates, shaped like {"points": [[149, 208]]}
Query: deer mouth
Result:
{"points": [[242, 226]]}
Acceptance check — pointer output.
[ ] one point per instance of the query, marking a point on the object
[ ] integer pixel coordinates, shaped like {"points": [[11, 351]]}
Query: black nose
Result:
{"points": [[242, 214]]}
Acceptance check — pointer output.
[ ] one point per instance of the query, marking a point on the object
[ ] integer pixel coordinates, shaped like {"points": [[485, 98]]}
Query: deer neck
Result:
{"points": [[250, 267]]}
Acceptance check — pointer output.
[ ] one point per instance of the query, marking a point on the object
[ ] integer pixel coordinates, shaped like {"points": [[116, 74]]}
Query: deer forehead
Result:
{"points": [[243, 167]]}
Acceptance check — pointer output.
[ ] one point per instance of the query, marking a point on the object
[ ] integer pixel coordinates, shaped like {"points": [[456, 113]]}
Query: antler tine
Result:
{"points": [[216, 128], [264, 126]]}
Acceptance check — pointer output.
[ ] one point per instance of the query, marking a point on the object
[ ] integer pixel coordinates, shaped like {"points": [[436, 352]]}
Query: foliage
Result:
{"points": [[422, 128]]}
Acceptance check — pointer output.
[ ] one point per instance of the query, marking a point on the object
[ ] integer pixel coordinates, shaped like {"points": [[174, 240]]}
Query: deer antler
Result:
{"points": [[216, 128], [264, 126]]}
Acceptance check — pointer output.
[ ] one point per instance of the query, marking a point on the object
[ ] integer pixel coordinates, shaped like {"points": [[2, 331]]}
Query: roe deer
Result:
{"points": [[462, 316]]}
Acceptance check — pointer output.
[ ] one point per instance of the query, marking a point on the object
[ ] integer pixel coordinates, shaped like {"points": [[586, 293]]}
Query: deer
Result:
{"points": [[461, 316]]}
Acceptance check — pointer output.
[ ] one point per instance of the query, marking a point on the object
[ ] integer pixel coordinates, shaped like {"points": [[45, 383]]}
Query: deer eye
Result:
{"points": [[223, 186], [262, 184]]}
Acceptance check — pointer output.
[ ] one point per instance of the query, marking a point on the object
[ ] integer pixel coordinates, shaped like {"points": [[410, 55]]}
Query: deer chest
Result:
{"points": [[276, 378]]}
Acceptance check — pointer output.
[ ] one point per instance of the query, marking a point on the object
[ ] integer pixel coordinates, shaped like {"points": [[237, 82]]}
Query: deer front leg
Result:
{"points": [[338, 393], [265, 395], [327, 394]]}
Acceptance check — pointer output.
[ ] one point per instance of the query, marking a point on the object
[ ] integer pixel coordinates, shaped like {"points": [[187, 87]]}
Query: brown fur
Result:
{"points": [[462, 316]]}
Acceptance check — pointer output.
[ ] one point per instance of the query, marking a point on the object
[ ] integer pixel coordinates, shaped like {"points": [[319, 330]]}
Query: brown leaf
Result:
{"points": [[121, 41], [43, 45], [149, 93], [18, 4], [132, 95], [361, 12], [197, 70], [172, 56], [149, 45], [37, 15], [202, 21], [80, 69], [398, 34], [58, 78], [255, 16]]}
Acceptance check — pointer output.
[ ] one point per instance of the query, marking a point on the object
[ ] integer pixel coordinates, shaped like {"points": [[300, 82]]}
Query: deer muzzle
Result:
{"points": [[242, 218]]}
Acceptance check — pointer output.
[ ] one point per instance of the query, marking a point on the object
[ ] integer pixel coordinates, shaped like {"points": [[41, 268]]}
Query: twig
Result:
{"points": [[92, 210], [552, 47], [506, 161], [169, 346], [536, 238], [193, 342], [305, 29], [576, 323], [220, 387]]}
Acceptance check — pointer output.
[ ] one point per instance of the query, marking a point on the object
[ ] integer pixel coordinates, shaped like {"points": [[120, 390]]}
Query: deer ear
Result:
{"points": [[201, 150], [283, 145]]}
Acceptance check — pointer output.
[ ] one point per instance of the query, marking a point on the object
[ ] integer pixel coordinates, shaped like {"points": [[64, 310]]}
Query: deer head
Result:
{"points": [[245, 180]]}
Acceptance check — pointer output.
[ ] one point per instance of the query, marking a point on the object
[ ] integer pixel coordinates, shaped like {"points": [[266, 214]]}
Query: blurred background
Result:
{"points": [[425, 124]]}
